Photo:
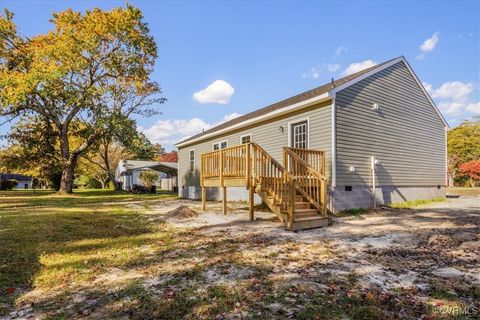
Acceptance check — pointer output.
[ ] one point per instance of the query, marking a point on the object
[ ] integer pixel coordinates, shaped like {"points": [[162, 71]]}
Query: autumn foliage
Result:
{"points": [[464, 153], [471, 169], [168, 157]]}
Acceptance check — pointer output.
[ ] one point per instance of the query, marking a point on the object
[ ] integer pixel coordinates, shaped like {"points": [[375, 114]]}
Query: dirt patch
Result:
{"points": [[181, 213]]}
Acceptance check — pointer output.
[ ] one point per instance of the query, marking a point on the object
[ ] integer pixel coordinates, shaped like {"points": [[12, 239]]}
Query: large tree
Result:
{"points": [[84, 78], [463, 145]]}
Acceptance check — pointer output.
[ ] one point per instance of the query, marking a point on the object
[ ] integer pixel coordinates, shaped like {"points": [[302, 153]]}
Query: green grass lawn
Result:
{"points": [[48, 241]]}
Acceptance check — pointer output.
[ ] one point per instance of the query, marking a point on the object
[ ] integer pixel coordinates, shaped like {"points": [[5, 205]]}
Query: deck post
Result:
{"points": [[324, 186], [251, 204], [202, 183], [291, 203], [224, 200]]}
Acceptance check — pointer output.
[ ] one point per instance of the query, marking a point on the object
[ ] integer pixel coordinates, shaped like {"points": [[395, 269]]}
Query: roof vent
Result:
{"points": [[333, 83]]}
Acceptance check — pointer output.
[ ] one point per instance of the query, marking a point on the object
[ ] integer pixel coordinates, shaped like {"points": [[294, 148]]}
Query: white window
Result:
{"points": [[299, 138], [246, 139], [192, 160], [220, 145]]}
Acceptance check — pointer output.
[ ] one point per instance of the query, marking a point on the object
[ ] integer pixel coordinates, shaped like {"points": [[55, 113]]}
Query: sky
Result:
{"points": [[221, 59]]}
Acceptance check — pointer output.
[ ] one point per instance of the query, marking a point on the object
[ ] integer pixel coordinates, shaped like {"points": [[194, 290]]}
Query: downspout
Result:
{"points": [[373, 162], [334, 155]]}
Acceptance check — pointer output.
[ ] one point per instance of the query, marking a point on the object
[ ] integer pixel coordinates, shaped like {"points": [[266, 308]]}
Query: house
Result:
{"points": [[373, 137], [24, 182], [128, 173]]}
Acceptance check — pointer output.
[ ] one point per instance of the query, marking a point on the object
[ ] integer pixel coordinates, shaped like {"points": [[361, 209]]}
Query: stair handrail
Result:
{"points": [[315, 192], [287, 178], [292, 153]]}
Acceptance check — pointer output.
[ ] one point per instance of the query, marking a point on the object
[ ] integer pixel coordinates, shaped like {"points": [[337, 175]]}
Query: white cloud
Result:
{"points": [[170, 131], [219, 91], [428, 87], [230, 116], [429, 44], [334, 67], [421, 56], [454, 90], [473, 108], [316, 71], [339, 51], [453, 98], [358, 66], [450, 107]]}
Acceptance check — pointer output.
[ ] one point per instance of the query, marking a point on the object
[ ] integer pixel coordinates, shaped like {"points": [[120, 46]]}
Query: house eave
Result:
{"points": [[280, 112]]}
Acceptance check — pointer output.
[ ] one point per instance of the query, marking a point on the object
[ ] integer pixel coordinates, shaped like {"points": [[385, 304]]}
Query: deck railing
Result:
{"points": [[314, 158], [310, 181], [252, 163], [303, 170]]}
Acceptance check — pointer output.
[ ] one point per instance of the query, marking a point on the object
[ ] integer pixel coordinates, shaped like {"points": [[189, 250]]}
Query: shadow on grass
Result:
{"points": [[37, 234]]}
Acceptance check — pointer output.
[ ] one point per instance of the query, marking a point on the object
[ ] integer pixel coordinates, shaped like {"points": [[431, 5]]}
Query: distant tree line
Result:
{"points": [[464, 153]]}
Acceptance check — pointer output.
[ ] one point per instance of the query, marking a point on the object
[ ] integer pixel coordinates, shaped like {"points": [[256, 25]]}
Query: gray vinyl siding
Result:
{"points": [[268, 136], [406, 134]]}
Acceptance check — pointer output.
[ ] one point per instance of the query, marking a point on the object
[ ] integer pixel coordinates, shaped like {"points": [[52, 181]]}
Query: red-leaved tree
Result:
{"points": [[471, 169], [168, 157]]}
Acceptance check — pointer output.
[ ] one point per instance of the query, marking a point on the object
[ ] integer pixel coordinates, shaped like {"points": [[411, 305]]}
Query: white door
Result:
{"points": [[299, 137]]}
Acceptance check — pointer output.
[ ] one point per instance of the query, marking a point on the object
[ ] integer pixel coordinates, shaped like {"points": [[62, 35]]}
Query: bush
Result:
{"points": [[8, 184], [149, 178]]}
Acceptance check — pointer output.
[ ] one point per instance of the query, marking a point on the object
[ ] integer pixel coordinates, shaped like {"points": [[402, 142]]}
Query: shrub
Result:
{"points": [[8, 184], [471, 170], [149, 178]]}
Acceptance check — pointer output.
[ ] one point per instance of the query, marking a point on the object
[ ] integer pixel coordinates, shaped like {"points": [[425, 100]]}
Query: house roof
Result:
{"points": [[14, 176], [131, 165], [287, 102]]}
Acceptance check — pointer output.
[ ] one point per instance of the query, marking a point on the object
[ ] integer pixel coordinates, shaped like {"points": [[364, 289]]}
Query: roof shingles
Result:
{"points": [[284, 103]]}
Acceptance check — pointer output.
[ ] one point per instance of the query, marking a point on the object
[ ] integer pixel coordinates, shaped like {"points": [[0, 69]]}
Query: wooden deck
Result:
{"points": [[294, 191]]}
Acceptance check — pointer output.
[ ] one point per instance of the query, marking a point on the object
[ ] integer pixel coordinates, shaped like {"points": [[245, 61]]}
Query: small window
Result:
{"points": [[220, 145], [192, 160], [245, 139], [348, 188]]}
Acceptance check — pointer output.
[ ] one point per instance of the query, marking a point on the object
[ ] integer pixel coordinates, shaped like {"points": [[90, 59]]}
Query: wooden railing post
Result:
{"points": [[202, 183], [291, 202], [324, 186]]}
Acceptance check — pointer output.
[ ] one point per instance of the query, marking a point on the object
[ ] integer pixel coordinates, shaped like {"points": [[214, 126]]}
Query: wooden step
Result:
{"points": [[309, 223], [303, 212], [302, 205]]}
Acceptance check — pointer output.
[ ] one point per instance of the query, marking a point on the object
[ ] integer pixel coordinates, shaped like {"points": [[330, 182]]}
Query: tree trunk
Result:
{"points": [[111, 173], [66, 184]]}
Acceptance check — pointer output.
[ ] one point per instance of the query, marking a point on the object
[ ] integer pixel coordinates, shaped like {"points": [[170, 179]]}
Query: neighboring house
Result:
{"points": [[382, 112], [24, 182], [128, 173]]}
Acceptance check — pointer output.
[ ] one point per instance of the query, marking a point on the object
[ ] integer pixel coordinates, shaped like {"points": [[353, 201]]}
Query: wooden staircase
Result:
{"points": [[294, 191]]}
